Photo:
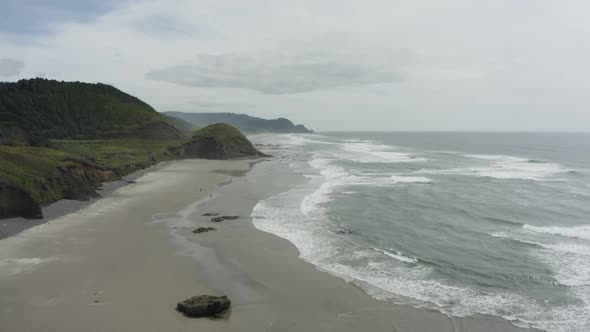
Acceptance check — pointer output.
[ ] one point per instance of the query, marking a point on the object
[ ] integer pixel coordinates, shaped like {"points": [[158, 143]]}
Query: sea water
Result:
{"points": [[463, 223]]}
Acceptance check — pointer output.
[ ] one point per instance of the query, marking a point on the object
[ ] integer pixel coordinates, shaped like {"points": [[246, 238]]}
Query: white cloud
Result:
{"points": [[276, 74], [376, 64]]}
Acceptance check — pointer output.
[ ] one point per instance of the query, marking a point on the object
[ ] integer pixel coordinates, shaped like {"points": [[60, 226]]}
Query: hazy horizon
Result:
{"points": [[389, 66]]}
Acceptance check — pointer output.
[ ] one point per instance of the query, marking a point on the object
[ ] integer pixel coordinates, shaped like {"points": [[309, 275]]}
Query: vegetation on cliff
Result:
{"points": [[31, 177], [63, 139], [218, 141], [34, 111]]}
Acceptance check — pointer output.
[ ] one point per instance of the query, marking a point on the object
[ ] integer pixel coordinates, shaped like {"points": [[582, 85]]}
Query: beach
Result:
{"points": [[124, 261]]}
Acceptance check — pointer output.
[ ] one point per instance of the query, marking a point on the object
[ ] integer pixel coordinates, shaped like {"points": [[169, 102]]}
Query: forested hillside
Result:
{"points": [[34, 111]]}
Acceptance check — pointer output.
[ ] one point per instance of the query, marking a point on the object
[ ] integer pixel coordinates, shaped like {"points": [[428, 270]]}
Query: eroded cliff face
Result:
{"points": [[78, 181], [15, 202]]}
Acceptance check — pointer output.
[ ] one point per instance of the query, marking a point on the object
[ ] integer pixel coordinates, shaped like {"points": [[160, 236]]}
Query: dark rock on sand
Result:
{"points": [[203, 306], [210, 214], [204, 229], [345, 230], [222, 218]]}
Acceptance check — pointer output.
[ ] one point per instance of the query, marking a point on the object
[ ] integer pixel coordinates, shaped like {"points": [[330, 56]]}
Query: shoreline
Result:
{"points": [[353, 308], [124, 260]]}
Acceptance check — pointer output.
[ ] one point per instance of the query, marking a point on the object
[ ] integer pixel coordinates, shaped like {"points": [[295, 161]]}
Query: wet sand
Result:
{"points": [[123, 262]]}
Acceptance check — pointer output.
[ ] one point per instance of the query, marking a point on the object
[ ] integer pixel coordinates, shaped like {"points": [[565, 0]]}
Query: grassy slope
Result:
{"points": [[28, 168], [35, 168], [223, 133], [119, 154], [220, 141]]}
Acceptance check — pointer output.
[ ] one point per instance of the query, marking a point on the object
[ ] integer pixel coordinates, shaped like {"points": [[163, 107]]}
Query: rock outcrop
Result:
{"points": [[204, 306], [81, 180], [222, 218], [218, 141], [204, 230], [15, 202]]}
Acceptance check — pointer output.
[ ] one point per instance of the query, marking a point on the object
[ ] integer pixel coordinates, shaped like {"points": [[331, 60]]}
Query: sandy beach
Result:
{"points": [[123, 262]]}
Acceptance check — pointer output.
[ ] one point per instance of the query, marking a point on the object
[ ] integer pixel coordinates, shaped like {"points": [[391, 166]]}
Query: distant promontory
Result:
{"points": [[245, 123]]}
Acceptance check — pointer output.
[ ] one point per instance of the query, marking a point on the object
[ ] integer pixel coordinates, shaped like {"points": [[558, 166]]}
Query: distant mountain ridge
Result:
{"points": [[243, 122]]}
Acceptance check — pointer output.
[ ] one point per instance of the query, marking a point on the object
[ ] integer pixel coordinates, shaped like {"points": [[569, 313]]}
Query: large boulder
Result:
{"points": [[218, 141], [204, 306]]}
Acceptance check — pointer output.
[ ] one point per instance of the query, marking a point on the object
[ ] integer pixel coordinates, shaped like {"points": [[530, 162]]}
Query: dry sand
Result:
{"points": [[123, 262]]}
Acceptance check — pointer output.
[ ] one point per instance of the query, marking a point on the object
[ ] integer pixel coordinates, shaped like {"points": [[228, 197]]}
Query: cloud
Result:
{"points": [[277, 74], [372, 65], [10, 67], [37, 16]]}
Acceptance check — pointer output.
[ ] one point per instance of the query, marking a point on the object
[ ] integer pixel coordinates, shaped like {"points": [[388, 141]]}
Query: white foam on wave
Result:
{"points": [[508, 167], [577, 232], [384, 274], [570, 264], [368, 152], [504, 167], [397, 255], [289, 140], [331, 177], [314, 201], [505, 235], [566, 254], [299, 216], [568, 257], [410, 179]]}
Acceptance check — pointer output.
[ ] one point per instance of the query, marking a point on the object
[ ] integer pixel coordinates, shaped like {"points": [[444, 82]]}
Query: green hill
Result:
{"points": [[64, 139], [243, 122], [218, 141], [35, 111]]}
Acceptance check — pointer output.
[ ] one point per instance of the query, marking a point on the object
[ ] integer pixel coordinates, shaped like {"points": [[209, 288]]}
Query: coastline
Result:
{"points": [[63, 207], [112, 265]]}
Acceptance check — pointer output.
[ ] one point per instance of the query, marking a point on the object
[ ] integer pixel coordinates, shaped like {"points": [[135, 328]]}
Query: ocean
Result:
{"points": [[463, 223]]}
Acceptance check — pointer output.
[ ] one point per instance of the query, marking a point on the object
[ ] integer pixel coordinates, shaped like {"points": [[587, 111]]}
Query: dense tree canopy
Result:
{"points": [[36, 110]]}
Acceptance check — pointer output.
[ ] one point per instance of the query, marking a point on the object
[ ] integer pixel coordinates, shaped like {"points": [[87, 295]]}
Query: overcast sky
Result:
{"points": [[332, 65]]}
